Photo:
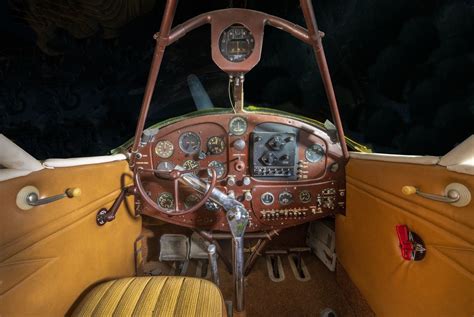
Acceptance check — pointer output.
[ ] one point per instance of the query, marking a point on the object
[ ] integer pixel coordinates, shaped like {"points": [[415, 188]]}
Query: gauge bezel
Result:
{"points": [[186, 201], [305, 201], [186, 134], [235, 119], [221, 165], [196, 168], [221, 147], [314, 148], [267, 203], [225, 42], [168, 142], [283, 193], [172, 200]]}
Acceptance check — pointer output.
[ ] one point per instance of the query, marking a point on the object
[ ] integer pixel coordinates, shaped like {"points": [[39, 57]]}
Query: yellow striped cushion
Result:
{"points": [[153, 296]]}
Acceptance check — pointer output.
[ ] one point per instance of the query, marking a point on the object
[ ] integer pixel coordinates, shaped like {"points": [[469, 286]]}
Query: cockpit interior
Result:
{"points": [[241, 211]]}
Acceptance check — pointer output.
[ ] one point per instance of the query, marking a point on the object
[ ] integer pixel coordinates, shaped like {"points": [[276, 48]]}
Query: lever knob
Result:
{"points": [[408, 190], [73, 192]]}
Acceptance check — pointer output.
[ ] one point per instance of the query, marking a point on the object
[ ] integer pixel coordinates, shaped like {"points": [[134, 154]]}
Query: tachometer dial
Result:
{"points": [[238, 126], [215, 145], [166, 201], [285, 198], [164, 149], [189, 142], [191, 165], [191, 200], [314, 153], [305, 196], [218, 166]]}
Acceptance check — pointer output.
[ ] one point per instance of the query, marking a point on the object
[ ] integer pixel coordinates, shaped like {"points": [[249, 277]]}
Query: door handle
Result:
{"points": [[28, 197], [456, 194]]}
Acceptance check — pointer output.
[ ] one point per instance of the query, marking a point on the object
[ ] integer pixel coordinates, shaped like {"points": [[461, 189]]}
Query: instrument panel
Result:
{"points": [[285, 171]]}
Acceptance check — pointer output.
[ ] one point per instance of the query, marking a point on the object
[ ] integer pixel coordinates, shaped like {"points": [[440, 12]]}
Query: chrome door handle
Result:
{"points": [[32, 198], [455, 194]]}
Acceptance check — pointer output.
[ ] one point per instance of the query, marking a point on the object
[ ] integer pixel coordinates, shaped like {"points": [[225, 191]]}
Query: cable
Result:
{"points": [[229, 93]]}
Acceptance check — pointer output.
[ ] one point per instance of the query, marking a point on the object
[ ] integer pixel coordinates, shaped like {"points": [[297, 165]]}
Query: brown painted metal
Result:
{"points": [[316, 43], [318, 175], [255, 21], [161, 43]]}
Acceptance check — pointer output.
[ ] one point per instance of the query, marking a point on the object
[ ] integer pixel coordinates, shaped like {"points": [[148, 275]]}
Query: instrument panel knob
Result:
{"points": [[246, 180], [239, 144], [248, 196], [231, 181]]}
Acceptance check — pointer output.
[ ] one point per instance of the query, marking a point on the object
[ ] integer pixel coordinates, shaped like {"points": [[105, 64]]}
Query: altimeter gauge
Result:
{"points": [[215, 145], [164, 149]]}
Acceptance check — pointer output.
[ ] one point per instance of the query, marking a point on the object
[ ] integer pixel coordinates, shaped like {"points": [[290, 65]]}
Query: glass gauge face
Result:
{"points": [[211, 206], [285, 198], [218, 167], [215, 145], [164, 149], [165, 166], [236, 43], [267, 198], [191, 200], [166, 201], [191, 165], [238, 126], [305, 196], [314, 153], [189, 142]]}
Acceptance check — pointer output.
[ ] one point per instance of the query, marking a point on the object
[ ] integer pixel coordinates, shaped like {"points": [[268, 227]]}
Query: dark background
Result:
{"points": [[73, 72]]}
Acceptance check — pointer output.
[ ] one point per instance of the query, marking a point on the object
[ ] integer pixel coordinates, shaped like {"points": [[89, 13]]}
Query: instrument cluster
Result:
{"points": [[284, 171]]}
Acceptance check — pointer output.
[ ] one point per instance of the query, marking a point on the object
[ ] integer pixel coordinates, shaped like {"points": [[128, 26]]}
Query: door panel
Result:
{"points": [[50, 254], [442, 284]]}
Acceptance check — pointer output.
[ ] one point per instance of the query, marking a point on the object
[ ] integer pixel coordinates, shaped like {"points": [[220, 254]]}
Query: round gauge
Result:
{"points": [[236, 43], [191, 200], [267, 198], [166, 201], [165, 166], [191, 165], [314, 153], [238, 126], [285, 198], [218, 166], [211, 206], [215, 145], [164, 149], [189, 142], [305, 196]]}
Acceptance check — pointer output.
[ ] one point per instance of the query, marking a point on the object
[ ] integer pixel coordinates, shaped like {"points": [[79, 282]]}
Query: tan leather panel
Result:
{"points": [[50, 254], [442, 284]]}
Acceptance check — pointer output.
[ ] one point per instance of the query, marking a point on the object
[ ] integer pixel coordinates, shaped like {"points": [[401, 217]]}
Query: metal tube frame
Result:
{"points": [[166, 36]]}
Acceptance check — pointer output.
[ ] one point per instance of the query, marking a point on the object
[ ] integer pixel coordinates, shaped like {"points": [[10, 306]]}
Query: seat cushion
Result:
{"points": [[154, 295]]}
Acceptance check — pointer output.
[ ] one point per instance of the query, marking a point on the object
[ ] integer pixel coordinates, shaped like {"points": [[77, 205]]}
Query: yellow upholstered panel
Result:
{"points": [[153, 296]]}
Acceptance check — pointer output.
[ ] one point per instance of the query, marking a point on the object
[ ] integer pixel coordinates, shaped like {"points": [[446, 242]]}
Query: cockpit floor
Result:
{"points": [[264, 297]]}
